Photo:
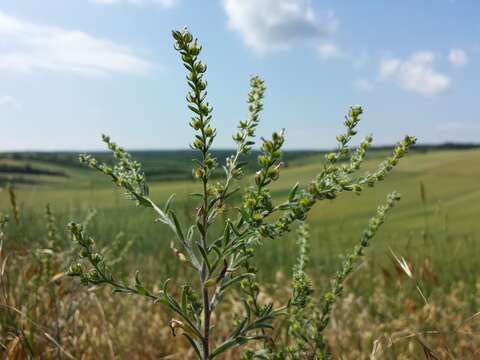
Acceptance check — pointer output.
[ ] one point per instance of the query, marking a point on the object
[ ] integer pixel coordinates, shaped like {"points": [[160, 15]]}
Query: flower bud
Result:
{"points": [[75, 270], [258, 177], [331, 157], [209, 131], [198, 173], [263, 160], [96, 258]]}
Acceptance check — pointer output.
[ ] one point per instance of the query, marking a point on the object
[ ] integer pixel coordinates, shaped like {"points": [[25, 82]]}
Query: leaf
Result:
{"points": [[137, 278], [244, 214], [216, 250], [169, 203], [177, 225], [237, 279], [190, 232], [293, 192], [232, 342], [249, 312], [184, 299], [194, 345], [204, 256], [226, 235], [139, 286], [200, 228], [233, 227], [195, 110]]}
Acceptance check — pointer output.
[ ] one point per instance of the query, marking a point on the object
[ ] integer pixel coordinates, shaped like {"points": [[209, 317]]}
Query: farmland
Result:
{"points": [[449, 209], [435, 227]]}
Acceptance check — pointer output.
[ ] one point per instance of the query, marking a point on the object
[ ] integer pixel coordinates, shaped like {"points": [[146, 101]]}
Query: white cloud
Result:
{"points": [[416, 73], [9, 102], [27, 47], [363, 84], [163, 3], [458, 57], [328, 51], [389, 67], [271, 25]]}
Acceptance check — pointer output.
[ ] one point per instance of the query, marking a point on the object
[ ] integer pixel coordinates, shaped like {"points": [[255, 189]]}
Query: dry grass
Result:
{"points": [[46, 315]]}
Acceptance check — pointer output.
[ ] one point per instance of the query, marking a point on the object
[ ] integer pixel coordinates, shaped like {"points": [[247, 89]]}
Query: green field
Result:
{"points": [[443, 226], [435, 228]]}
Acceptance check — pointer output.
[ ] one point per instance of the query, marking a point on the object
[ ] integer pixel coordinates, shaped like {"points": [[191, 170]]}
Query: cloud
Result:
{"points": [[416, 73], [363, 84], [458, 57], [272, 25], [27, 47], [9, 102], [328, 51], [167, 4]]}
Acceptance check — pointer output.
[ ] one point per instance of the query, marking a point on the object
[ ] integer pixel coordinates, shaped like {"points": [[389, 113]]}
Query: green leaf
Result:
{"points": [[195, 110], [293, 192], [226, 235], [227, 345], [200, 228], [184, 299], [204, 256], [178, 228], [244, 214], [237, 279], [169, 203], [194, 345]]}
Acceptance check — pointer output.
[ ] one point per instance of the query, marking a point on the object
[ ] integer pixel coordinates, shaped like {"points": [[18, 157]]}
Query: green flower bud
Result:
{"points": [[331, 157], [75, 270], [96, 258], [198, 173], [263, 160], [209, 131]]}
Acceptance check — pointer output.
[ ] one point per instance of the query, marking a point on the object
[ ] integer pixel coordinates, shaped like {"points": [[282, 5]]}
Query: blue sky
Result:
{"points": [[73, 69]]}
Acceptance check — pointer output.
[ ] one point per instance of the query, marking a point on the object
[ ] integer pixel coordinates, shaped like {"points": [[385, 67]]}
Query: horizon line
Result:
{"points": [[379, 146]]}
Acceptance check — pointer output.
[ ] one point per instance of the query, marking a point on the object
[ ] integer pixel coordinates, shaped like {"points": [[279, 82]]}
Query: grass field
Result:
{"points": [[435, 227], [449, 211]]}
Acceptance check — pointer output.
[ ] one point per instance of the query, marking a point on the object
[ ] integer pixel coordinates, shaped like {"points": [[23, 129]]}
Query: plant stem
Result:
{"points": [[206, 329], [206, 301]]}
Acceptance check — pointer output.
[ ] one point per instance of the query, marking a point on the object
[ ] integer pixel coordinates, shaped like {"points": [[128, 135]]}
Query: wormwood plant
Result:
{"points": [[224, 262]]}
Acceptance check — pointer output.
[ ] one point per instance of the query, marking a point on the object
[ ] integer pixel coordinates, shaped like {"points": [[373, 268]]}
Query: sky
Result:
{"points": [[71, 70]]}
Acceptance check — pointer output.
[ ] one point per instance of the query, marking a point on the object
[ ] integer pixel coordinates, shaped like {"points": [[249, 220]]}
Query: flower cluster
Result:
{"points": [[301, 284], [100, 273], [126, 173], [189, 50], [244, 137], [257, 202], [332, 181], [310, 315], [246, 128], [351, 122], [351, 259]]}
